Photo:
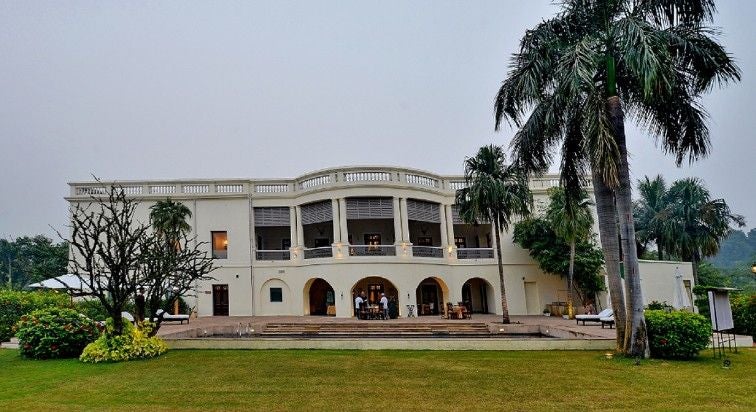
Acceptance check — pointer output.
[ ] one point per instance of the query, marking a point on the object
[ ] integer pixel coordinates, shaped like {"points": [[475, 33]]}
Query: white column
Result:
{"points": [[444, 233], [494, 245], [449, 223], [405, 223], [343, 221], [335, 221], [397, 223], [300, 229], [293, 225]]}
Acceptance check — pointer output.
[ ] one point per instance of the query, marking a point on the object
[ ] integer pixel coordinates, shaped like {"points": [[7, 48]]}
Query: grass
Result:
{"points": [[378, 380]]}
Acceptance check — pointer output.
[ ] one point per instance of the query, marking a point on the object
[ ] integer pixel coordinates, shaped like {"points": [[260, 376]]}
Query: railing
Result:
{"points": [[372, 250], [229, 188], [367, 177], [475, 253], [428, 251], [421, 180], [196, 189], [318, 252], [132, 190], [272, 255], [272, 188], [315, 181], [456, 185], [162, 189]]}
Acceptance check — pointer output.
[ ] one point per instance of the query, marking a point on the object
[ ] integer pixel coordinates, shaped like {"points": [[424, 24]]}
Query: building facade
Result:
{"points": [[308, 245]]}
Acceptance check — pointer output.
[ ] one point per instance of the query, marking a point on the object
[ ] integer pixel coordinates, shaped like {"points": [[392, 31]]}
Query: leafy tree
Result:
{"points": [[576, 74], [549, 250], [32, 259], [496, 193], [570, 216], [168, 218], [736, 248], [696, 222], [649, 214]]}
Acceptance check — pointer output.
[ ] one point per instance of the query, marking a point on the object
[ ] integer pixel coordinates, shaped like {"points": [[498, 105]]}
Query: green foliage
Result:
{"points": [[167, 306], [656, 305], [54, 333], [92, 308], [14, 304], [552, 254], [677, 334], [737, 248], [32, 259], [133, 343], [744, 313]]}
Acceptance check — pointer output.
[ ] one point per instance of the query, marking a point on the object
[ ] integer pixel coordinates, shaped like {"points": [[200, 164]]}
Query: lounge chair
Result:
{"points": [[167, 317], [594, 318], [128, 316], [609, 320]]}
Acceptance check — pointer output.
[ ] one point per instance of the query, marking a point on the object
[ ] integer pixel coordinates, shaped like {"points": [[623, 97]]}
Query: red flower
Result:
{"points": [[53, 347], [663, 341]]}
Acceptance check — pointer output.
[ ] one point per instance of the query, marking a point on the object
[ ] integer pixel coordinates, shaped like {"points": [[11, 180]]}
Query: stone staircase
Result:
{"points": [[376, 329], [13, 344]]}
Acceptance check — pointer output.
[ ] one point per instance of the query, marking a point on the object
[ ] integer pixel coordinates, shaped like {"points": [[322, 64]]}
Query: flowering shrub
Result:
{"points": [[676, 335], [14, 303], [54, 333], [134, 343]]}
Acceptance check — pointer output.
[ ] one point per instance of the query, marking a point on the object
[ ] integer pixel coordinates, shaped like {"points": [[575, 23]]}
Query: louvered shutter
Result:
{"points": [[317, 212], [370, 208], [423, 211], [271, 216]]}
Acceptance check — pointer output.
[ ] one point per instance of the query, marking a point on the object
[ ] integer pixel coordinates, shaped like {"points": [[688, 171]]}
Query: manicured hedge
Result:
{"points": [[14, 304], [677, 334], [54, 333]]}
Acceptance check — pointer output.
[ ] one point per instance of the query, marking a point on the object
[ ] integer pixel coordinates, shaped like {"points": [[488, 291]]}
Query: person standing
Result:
{"points": [[384, 305], [139, 301], [357, 305]]}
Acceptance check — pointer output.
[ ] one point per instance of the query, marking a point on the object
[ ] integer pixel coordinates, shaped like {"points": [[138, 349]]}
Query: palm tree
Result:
{"points": [[570, 216], [496, 193], [696, 222], [575, 74], [168, 218], [649, 213]]}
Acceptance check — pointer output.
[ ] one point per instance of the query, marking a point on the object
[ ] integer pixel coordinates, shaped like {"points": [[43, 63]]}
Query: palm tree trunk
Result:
{"points": [[694, 260], [504, 306], [607, 220], [636, 338], [570, 308]]}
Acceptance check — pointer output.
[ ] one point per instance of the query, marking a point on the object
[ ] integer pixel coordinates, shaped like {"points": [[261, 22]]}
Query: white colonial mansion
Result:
{"points": [[307, 245]]}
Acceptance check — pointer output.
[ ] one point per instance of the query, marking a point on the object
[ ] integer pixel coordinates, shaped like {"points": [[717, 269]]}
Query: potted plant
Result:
{"points": [[546, 312]]}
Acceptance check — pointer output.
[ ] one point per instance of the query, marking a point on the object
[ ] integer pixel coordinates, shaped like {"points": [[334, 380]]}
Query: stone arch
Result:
{"points": [[319, 298], [479, 295], [431, 294], [373, 286]]}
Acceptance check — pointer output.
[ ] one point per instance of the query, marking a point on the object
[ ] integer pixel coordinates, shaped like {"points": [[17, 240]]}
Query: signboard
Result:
{"points": [[721, 313]]}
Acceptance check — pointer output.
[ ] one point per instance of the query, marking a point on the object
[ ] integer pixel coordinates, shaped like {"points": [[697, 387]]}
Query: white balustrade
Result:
{"points": [[162, 189], [367, 177], [457, 185], [196, 189], [315, 181], [272, 188], [421, 180], [229, 188]]}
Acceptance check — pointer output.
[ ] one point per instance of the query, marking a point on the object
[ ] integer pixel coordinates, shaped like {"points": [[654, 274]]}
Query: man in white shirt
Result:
{"points": [[384, 305], [357, 304]]}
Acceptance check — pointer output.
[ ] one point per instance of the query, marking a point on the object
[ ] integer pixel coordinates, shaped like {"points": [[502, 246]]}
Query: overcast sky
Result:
{"points": [[158, 90]]}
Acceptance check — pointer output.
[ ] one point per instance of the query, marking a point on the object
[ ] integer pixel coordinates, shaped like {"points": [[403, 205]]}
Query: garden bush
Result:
{"points": [[744, 313], [54, 333], [134, 343], [677, 334], [92, 308], [15, 303]]}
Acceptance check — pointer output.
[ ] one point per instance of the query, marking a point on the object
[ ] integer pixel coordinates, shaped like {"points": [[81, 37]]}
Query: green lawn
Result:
{"points": [[378, 381]]}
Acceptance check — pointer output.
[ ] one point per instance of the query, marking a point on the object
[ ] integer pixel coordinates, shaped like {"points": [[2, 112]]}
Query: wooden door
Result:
{"points": [[220, 300]]}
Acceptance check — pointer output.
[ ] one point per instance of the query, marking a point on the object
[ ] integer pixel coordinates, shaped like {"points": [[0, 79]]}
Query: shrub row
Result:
{"points": [[54, 333], [14, 304], [676, 334]]}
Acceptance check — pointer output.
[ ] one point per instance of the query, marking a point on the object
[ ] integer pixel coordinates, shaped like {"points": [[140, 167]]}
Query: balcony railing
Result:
{"points": [[318, 252], [428, 251], [272, 255], [475, 253], [372, 250]]}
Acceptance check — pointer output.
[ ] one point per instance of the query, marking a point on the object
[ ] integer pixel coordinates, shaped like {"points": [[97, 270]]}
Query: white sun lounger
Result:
{"points": [[594, 318], [167, 317]]}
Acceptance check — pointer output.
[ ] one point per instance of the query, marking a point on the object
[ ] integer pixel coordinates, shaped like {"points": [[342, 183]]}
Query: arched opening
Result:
{"points": [[372, 287], [320, 300], [431, 294], [478, 296]]}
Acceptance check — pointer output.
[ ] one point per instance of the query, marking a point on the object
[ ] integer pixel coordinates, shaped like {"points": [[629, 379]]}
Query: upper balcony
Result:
{"points": [[326, 179]]}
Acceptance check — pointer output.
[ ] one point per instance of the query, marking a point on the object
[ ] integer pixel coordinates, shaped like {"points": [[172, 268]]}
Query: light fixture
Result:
{"points": [[753, 268]]}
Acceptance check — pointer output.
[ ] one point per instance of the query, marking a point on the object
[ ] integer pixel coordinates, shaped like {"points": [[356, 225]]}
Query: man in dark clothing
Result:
{"points": [[140, 305]]}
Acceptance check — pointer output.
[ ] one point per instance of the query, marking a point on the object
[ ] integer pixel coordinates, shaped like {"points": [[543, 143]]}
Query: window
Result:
{"points": [[276, 295], [220, 245], [460, 242], [372, 239], [260, 243], [424, 241]]}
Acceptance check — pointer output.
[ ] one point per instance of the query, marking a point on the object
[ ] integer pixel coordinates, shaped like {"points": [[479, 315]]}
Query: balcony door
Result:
{"points": [[220, 300]]}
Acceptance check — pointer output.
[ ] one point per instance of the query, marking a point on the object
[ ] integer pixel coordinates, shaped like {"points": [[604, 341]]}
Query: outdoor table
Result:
{"points": [[331, 310]]}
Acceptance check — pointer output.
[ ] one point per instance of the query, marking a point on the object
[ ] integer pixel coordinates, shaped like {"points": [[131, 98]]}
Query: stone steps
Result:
{"points": [[376, 329], [13, 344]]}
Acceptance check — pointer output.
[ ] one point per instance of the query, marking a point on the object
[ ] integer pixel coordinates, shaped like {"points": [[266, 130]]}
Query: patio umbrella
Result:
{"points": [[68, 282], [680, 299]]}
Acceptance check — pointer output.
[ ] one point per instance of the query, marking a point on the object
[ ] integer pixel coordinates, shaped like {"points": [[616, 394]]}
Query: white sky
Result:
{"points": [[180, 89]]}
